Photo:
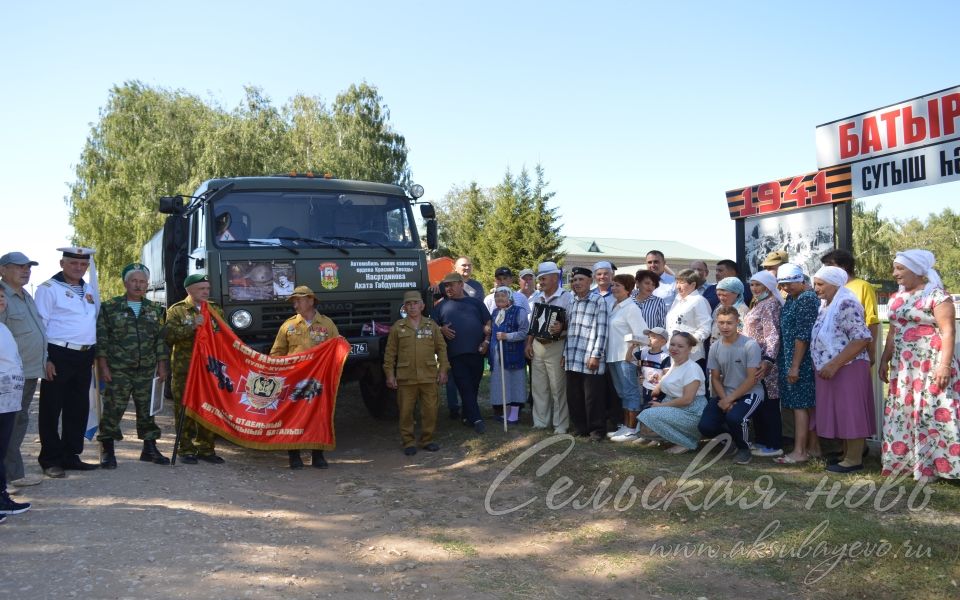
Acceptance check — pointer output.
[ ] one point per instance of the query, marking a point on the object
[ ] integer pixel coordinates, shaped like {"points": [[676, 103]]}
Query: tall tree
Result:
{"points": [[150, 142], [872, 238], [509, 224]]}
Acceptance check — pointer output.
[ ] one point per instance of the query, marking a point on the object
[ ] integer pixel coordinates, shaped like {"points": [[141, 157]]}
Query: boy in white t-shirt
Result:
{"points": [[653, 361]]}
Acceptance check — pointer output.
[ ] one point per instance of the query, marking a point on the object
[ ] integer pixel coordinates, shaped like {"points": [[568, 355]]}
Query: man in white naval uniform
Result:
{"points": [[68, 308]]}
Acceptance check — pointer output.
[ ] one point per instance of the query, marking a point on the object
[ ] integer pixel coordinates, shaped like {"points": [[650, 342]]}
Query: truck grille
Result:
{"points": [[349, 317]]}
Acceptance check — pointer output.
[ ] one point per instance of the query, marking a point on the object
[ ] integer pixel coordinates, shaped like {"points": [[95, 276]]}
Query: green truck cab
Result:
{"points": [[354, 243]]}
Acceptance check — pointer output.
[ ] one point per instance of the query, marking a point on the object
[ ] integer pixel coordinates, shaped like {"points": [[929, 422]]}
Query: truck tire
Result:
{"points": [[381, 402]]}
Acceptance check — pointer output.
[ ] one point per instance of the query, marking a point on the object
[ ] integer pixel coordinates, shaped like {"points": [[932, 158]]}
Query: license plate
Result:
{"points": [[359, 349]]}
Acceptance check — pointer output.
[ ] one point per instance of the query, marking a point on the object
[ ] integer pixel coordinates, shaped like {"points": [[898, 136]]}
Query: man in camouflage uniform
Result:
{"points": [[415, 362], [183, 319], [301, 332], [130, 349]]}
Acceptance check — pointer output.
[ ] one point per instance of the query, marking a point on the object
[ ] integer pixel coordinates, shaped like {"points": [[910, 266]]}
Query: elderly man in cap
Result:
{"points": [[503, 277], [130, 350], [528, 287], [183, 320], [602, 277], [299, 333], [68, 306], [414, 362], [24, 322], [546, 355], [463, 321], [584, 358]]}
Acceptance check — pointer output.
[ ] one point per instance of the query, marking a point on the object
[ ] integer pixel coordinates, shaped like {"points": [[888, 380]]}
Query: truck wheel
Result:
{"points": [[380, 401]]}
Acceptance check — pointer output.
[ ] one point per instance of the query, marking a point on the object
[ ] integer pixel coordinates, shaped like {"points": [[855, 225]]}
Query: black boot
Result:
{"points": [[107, 458], [152, 454], [296, 463], [319, 462]]}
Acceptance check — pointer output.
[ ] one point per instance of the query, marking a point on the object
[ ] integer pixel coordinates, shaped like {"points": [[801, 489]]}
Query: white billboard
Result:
{"points": [[916, 123], [914, 168]]}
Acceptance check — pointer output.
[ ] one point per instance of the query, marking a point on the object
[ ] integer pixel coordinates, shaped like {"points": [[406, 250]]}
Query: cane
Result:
{"points": [[503, 386], [176, 441]]}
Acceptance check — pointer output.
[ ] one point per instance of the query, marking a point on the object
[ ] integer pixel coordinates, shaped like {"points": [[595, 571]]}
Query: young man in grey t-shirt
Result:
{"points": [[737, 394]]}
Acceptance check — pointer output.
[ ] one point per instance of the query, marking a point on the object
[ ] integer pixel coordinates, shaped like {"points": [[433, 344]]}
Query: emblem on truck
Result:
{"points": [[328, 275]]}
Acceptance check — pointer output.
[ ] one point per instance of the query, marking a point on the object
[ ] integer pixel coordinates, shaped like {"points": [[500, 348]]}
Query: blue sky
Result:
{"points": [[642, 114]]}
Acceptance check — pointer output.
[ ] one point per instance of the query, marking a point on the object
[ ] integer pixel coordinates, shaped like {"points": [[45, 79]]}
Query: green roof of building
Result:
{"points": [[600, 247]]}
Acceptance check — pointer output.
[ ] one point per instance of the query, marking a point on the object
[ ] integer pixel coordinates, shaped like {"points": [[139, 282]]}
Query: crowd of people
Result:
{"points": [[654, 358], [781, 361]]}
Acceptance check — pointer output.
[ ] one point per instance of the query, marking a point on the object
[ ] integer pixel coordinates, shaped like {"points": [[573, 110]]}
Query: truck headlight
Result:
{"points": [[241, 319]]}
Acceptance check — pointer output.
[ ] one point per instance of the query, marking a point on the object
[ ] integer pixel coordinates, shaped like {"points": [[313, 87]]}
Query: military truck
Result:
{"points": [[354, 243]]}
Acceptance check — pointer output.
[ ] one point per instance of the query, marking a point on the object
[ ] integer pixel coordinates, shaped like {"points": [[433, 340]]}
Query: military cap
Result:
{"points": [[195, 278], [412, 296], [581, 271], [134, 268], [76, 252]]}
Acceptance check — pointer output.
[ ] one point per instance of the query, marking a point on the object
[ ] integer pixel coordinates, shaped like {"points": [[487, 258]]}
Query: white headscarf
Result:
{"points": [[503, 313], [921, 262], [767, 280], [823, 330], [789, 273]]}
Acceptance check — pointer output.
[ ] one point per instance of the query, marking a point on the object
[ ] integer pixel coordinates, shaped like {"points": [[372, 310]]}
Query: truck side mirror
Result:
{"points": [[427, 211], [432, 234], [171, 205]]}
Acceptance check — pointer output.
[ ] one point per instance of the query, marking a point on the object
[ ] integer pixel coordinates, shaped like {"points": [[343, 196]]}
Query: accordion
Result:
{"points": [[545, 315]]}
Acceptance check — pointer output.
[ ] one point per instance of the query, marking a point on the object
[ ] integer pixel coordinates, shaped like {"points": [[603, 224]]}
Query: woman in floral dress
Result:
{"points": [[762, 324], [797, 391], [921, 425], [838, 347]]}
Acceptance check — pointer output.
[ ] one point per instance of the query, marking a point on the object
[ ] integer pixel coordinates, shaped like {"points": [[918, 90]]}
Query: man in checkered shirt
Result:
{"points": [[584, 358]]}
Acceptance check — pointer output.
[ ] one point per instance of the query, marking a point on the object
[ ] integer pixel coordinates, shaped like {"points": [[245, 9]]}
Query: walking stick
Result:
{"points": [[503, 386], [176, 441]]}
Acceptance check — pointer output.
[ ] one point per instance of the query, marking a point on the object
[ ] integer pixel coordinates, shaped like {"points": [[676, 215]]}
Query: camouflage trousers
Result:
{"points": [[137, 383], [196, 439]]}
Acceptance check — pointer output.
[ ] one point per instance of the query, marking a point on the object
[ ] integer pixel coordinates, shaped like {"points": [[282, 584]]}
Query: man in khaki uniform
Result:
{"points": [[180, 330], [415, 362], [301, 332]]}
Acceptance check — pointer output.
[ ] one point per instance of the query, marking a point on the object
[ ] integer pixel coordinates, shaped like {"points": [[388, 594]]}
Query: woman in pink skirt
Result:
{"points": [[838, 347]]}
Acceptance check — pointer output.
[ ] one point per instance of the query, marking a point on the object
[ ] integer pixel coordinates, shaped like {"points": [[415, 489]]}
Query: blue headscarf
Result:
{"points": [[734, 285]]}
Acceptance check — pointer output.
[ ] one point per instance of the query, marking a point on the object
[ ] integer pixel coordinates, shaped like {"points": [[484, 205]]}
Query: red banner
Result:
{"points": [[261, 401]]}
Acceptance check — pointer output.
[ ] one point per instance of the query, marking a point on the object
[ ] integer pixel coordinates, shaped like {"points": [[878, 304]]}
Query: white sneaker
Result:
{"points": [[629, 436], [764, 451], [620, 431]]}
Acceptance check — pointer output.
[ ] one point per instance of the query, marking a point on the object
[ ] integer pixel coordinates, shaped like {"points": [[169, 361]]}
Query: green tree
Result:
{"points": [[151, 142], [509, 224], [872, 239]]}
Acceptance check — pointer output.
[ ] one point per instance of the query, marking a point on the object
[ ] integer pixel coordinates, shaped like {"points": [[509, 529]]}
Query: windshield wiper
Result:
{"points": [[316, 241], [262, 243], [357, 240]]}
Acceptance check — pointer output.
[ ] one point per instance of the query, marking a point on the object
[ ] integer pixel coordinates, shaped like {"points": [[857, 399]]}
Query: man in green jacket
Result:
{"points": [[130, 352]]}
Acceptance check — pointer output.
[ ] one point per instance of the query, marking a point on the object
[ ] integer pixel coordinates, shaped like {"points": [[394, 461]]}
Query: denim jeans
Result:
{"points": [[624, 375]]}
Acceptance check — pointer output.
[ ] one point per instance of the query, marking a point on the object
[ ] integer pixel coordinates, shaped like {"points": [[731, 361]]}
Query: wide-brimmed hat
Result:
{"points": [[548, 268], [775, 259], [452, 277], [302, 291]]}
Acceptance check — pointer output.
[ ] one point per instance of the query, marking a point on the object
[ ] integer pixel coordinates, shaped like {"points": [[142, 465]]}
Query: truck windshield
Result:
{"points": [[327, 217]]}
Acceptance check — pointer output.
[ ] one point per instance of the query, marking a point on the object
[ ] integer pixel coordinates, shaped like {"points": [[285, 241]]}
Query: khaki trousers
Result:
{"points": [[549, 387], [407, 395]]}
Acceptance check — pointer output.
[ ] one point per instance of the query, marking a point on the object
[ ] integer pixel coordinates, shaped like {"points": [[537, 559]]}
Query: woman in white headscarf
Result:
{"points": [[838, 346], [921, 425], [762, 324]]}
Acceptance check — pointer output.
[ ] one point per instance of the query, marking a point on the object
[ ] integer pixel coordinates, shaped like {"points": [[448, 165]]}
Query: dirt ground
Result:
{"points": [[377, 524]]}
